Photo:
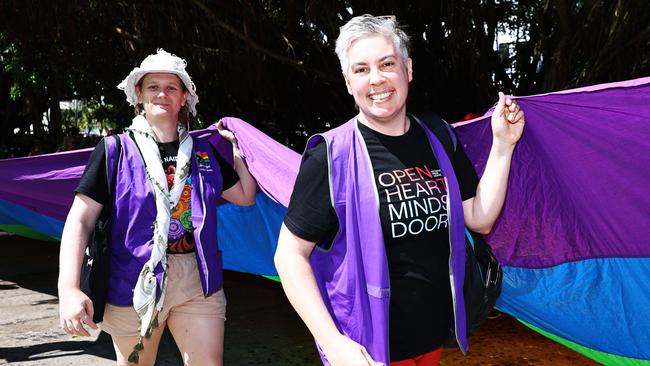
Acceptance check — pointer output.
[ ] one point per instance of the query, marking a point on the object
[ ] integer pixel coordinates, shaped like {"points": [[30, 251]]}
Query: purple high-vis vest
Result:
{"points": [[353, 274], [134, 212]]}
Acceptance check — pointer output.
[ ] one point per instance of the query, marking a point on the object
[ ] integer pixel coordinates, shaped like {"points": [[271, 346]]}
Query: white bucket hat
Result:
{"points": [[163, 62]]}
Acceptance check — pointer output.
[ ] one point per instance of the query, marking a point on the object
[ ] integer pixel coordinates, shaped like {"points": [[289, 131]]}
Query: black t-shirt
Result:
{"points": [[93, 184], [412, 195]]}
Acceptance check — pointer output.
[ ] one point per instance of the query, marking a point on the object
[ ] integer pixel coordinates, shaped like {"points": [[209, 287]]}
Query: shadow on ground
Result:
{"points": [[262, 328], [101, 347]]}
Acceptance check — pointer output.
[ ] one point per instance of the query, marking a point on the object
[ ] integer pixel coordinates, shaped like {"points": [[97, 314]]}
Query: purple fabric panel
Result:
{"points": [[578, 184], [598, 87], [43, 183], [46, 183], [274, 166]]}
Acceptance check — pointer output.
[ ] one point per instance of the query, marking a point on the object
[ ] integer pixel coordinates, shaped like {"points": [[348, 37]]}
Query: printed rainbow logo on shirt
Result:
{"points": [[203, 157], [204, 160]]}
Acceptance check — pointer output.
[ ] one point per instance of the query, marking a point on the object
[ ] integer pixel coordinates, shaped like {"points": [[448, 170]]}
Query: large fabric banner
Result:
{"points": [[573, 235]]}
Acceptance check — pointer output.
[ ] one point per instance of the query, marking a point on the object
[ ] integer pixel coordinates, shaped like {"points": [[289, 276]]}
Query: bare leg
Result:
{"points": [[200, 339], [124, 346]]}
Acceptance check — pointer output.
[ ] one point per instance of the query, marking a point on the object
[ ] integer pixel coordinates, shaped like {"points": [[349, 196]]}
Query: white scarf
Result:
{"points": [[144, 294]]}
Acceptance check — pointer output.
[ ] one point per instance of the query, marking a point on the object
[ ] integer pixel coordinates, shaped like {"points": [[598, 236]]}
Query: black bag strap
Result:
{"points": [[93, 279], [447, 137], [441, 129], [112, 160]]}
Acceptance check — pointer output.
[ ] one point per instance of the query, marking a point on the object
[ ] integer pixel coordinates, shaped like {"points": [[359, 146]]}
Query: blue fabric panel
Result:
{"points": [[248, 235], [11, 213], [602, 304]]}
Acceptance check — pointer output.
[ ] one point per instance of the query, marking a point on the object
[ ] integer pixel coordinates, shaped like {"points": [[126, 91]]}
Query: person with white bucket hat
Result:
{"points": [[160, 186]]}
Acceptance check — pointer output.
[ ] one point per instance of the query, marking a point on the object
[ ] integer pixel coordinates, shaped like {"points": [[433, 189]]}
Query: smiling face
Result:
{"points": [[378, 79], [162, 95]]}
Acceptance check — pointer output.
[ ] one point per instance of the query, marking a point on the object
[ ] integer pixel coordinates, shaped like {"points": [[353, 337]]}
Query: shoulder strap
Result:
{"points": [[441, 129], [113, 148]]}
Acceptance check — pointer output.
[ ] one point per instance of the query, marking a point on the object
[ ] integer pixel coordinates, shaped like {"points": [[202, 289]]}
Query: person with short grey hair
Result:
{"points": [[372, 248], [367, 25]]}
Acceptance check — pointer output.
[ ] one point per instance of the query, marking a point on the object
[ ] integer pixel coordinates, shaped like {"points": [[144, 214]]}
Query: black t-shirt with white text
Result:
{"points": [[412, 196]]}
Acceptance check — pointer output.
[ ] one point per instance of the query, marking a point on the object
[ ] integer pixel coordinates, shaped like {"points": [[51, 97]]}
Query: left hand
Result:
{"points": [[75, 311], [226, 133], [507, 121]]}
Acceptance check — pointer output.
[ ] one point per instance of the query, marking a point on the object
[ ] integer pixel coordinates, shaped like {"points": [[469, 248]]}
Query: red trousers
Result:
{"points": [[428, 359]]}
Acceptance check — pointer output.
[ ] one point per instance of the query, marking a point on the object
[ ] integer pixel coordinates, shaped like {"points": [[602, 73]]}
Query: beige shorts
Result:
{"points": [[184, 297]]}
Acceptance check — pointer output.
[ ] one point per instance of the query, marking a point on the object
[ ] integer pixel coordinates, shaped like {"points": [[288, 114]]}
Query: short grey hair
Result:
{"points": [[368, 25]]}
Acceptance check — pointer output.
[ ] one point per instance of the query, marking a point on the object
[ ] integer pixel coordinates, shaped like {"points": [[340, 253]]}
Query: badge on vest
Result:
{"points": [[204, 161]]}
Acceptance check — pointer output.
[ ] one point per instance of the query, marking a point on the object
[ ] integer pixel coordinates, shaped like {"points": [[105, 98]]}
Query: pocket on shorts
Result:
{"points": [[190, 284], [120, 321]]}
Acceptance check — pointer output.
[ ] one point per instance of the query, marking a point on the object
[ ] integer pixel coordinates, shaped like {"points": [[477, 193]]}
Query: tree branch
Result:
{"points": [[298, 64]]}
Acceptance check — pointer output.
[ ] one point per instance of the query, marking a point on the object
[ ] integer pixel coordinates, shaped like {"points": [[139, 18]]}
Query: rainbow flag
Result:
{"points": [[572, 237]]}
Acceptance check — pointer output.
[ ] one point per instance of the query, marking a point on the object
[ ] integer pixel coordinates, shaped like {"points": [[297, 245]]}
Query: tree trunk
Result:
{"points": [[34, 113], [56, 131]]}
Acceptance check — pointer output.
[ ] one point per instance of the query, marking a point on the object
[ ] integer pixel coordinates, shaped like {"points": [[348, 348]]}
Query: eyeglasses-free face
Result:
{"points": [[162, 95], [378, 79]]}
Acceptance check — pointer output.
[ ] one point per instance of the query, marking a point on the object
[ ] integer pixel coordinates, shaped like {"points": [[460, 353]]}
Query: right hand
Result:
{"points": [[346, 352], [75, 310], [226, 133]]}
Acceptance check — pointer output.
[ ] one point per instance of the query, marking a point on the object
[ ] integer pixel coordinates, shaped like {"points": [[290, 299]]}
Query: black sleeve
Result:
{"points": [[310, 214], [465, 173], [229, 176], [93, 181]]}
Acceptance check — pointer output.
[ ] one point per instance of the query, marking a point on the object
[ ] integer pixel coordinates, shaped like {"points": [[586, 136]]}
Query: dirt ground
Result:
{"points": [[262, 329]]}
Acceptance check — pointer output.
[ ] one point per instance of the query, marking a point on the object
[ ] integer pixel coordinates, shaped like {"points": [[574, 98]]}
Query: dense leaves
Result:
{"points": [[272, 63]]}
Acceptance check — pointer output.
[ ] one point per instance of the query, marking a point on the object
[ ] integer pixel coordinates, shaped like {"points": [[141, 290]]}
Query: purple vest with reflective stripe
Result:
{"points": [[134, 212], [353, 274]]}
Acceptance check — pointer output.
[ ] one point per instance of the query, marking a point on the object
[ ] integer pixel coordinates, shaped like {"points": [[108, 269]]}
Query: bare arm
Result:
{"points": [[482, 211], [242, 193], [75, 308], [299, 284]]}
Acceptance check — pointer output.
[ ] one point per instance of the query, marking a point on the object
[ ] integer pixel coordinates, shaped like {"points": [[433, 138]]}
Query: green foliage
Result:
{"points": [[86, 115], [12, 64], [272, 62]]}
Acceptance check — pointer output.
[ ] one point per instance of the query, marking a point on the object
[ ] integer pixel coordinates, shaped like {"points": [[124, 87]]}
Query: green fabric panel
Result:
{"points": [[26, 232], [274, 278], [602, 357]]}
